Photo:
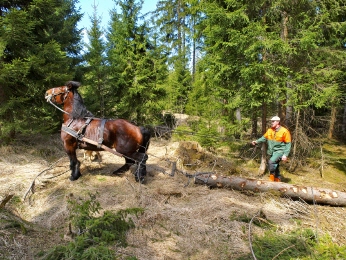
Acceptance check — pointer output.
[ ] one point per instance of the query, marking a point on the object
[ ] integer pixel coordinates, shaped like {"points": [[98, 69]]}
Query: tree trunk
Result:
{"points": [[238, 114], [284, 37], [294, 141], [289, 108], [254, 124], [332, 122], [344, 120], [308, 194], [264, 145]]}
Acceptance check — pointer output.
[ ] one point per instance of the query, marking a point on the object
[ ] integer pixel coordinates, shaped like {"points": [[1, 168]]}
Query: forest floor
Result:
{"points": [[181, 220]]}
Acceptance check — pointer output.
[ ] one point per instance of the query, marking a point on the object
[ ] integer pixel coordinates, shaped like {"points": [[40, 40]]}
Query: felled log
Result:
{"points": [[308, 194]]}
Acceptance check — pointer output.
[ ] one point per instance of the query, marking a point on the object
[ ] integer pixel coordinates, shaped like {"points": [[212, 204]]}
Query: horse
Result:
{"points": [[81, 130]]}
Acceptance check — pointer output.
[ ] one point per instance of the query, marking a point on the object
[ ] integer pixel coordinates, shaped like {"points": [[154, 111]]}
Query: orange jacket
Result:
{"points": [[279, 140]]}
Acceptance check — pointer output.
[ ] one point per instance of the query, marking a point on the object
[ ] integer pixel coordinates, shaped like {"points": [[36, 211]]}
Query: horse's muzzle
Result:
{"points": [[48, 97]]}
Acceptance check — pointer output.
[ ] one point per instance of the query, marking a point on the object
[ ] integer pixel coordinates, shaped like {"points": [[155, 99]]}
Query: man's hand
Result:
{"points": [[253, 142], [284, 158]]}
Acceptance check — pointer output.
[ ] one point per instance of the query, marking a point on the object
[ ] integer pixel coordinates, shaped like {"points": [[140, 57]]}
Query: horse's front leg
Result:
{"points": [[74, 164]]}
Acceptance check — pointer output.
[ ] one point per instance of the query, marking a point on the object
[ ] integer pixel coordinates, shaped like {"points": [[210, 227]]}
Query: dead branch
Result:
{"points": [[32, 186], [250, 237], [5, 200]]}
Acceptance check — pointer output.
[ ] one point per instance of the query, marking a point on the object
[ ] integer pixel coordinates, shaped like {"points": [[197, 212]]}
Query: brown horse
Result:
{"points": [[79, 125]]}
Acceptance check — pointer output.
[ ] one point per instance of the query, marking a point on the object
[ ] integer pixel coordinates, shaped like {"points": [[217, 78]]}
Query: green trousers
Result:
{"points": [[273, 164]]}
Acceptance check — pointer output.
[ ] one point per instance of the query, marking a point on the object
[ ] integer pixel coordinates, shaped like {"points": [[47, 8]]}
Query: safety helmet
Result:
{"points": [[275, 118]]}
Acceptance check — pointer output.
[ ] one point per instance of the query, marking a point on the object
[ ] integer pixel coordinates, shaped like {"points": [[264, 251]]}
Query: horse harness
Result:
{"points": [[79, 135]]}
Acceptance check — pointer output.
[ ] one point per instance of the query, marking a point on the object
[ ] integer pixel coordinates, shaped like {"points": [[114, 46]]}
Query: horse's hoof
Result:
{"points": [[74, 178], [118, 173], [140, 180]]}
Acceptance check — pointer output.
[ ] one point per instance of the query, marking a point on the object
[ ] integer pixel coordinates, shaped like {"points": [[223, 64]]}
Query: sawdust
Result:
{"points": [[181, 220]]}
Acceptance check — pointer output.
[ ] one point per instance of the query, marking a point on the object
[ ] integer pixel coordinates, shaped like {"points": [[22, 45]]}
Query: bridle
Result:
{"points": [[65, 91]]}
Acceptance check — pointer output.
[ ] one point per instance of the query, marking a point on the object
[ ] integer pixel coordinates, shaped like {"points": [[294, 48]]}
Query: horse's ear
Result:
{"points": [[72, 84]]}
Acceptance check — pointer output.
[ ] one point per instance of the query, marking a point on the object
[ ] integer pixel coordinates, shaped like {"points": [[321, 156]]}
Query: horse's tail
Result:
{"points": [[146, 139]]}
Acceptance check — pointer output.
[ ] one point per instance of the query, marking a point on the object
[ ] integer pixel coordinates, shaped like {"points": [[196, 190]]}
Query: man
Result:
{"points": [[279, 146]]}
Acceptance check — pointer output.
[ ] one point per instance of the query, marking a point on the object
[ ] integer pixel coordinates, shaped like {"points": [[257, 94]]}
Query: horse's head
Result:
{"points": [[59, 94]]}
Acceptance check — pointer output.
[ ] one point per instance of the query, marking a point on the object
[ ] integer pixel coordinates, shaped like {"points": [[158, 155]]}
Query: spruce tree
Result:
{"points": [[173, 21], [39, 44], [96, 74], [136, 67]]}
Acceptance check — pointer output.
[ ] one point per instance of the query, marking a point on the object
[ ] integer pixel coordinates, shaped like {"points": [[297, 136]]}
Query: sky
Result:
{"points": [[103, 8]]}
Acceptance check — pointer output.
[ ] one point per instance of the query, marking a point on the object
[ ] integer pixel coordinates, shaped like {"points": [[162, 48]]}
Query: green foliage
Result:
{"points": [[183, 133], [39, 44], [80, 249], [298, 244], [94, 232], [137, 68], [326, 249], [96, 70], [208, 136], [83, 211], [292, 245]]}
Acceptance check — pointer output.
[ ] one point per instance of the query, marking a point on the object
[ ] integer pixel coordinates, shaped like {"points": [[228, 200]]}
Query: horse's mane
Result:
{"points": [[79, 110]]}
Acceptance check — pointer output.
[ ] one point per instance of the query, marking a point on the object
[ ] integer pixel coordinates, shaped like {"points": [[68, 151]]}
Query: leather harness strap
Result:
{"points": [[70, 131], [79, 135], [81, 131], [101, 130]]}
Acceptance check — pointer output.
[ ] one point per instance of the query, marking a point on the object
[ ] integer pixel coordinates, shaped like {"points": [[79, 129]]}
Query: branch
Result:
{"points": [[5, 200], [33, 182]]}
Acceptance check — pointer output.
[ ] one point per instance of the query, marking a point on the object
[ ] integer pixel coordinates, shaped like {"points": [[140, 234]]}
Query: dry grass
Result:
{"points": [[181, 220]]}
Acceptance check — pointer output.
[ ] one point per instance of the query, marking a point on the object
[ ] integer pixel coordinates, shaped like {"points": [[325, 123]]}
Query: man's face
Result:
{"points": [[275, 124]]}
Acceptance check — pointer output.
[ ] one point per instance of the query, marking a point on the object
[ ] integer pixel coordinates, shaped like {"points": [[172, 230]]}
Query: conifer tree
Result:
{"points": [[95, 87], [39, 47], [135, 65], [173, 20]]}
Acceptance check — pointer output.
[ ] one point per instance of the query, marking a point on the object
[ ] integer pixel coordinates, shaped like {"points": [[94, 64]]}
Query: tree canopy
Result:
{"points": [[232, 63]]}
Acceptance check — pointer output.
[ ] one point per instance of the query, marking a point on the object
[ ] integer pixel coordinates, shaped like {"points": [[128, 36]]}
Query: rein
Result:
{"points": [[50, 101]]}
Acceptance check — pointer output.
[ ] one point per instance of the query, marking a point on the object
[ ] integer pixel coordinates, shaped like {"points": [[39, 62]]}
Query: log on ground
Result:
{"points": [[308, 194]]}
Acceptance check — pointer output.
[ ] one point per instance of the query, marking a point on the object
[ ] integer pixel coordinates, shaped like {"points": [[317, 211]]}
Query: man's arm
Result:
{"points": [[259, 141], [287, 139]]}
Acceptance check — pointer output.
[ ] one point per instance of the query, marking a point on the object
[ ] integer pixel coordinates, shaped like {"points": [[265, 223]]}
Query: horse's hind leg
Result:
{"points": [[141, 170], [125, 167]]}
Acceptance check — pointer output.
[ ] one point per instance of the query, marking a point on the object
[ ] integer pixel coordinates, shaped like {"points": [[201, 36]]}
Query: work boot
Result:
{"points": [[271, 177], [277, 179]]}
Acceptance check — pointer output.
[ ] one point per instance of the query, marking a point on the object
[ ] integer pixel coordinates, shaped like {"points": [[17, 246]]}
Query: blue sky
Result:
{"points": [[103, 8]]}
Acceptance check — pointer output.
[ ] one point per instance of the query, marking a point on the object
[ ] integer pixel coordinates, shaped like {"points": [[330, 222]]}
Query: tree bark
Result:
{"points": [[295, 140], [332, 122], [284, 37], [263, 164], [254, 124], [344, 120], [308, 194]]}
